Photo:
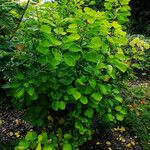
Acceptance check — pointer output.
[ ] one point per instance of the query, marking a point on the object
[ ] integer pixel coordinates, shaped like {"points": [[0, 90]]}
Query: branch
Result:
{"points": [[20, 20]]}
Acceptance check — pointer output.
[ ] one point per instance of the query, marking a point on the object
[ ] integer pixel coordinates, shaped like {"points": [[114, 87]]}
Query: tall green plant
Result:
{"points": [[67, 65]]}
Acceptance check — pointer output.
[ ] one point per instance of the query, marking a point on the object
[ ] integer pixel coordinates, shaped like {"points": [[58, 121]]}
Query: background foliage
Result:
{"points": [[137, 119]]}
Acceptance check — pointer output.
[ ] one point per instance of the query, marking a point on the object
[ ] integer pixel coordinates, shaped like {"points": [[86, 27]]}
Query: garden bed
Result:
{"points": [[12, 127]]}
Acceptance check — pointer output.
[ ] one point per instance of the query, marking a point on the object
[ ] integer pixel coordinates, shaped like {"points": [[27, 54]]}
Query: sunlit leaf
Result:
{"points": [[97, 96], [83, 100]]}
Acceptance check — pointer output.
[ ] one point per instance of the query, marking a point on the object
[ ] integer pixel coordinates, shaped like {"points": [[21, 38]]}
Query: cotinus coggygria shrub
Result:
{"points": [[66, 67]]}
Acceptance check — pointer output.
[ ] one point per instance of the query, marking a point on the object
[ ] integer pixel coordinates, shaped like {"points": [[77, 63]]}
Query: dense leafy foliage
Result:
{"points": [[141, 61], [8, 19], [139, 52], [64, 68], [11, 14]]}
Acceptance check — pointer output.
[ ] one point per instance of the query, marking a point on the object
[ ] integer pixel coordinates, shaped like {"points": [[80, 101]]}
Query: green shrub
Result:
{"points": [[43, 141], [138, 116], [139, 54], [9, 19], [66, 65]]}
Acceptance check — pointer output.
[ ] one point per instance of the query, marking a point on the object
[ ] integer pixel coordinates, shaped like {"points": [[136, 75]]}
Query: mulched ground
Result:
{"points": [[11, 125], [117, 138]]}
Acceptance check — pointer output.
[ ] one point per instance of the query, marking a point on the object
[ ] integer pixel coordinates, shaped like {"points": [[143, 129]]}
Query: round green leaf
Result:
{"points": [[19, 93], [120, 117], [45, 29], [110, 117], [47, 147], [83, 100], [89, 113], [59, 30], [123, 111], [103, 88], [76, 94], [31, 136], [55, 105], [43, 50], [62, 105], [67, 136], [95, 43], [31, 91], [118, 108], [92, 83], [67, 146], [69, 60], [74, 37], [23, 144], [119, 98], [121, 66], [97, 96]]}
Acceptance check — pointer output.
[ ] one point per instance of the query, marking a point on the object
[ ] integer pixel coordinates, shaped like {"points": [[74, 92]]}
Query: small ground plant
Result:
{"points": [[64, 70]]}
